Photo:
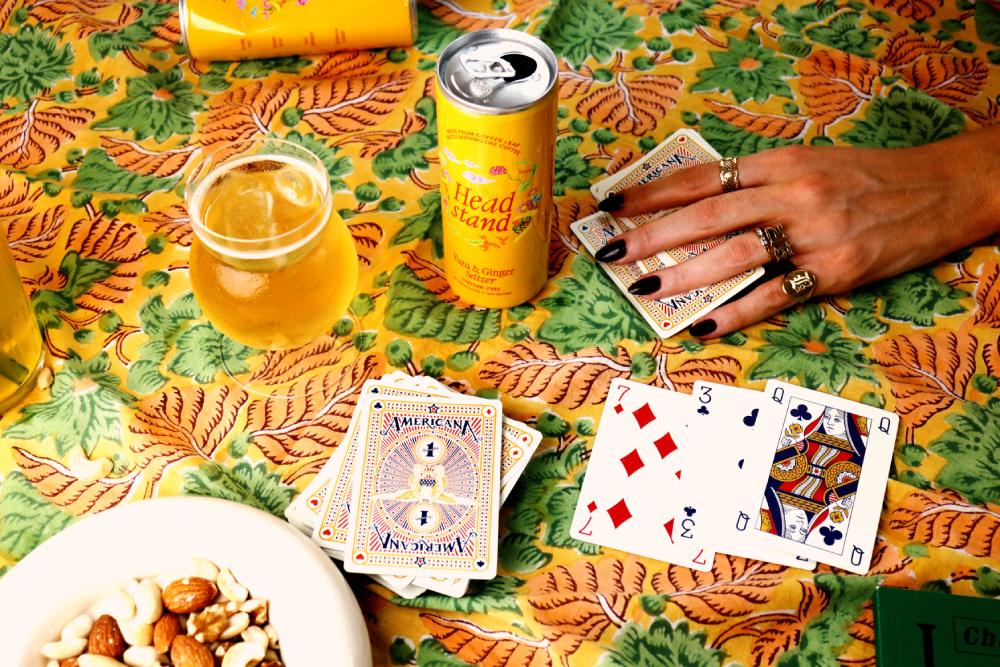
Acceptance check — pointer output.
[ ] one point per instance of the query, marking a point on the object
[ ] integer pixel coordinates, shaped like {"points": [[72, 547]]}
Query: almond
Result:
{"points": [[187, 652], [106, 638], [189, 595], [168, 627], [69, 662]]}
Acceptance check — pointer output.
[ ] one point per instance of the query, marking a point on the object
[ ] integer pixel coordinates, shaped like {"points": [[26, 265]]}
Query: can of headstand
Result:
{"points": [[496, 113], [242, 29]]}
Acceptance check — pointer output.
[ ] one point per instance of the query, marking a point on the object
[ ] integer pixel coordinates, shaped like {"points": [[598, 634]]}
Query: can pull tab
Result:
{"points": [[487, 68]]}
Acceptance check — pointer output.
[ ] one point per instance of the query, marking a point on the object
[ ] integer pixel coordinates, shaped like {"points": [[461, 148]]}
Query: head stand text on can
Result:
{"points": [[496, 101]]}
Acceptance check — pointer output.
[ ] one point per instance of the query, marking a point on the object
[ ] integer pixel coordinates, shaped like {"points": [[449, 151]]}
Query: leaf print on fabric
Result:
{"points": [[99, 173], [685, 15], [244, 483], [432, 276], [85, 405], [587, 311], [414, 310], [31, 238], [577, 603], [487, 648], [773, 633], [918, 10], [433, 34], [590, 29], [946, 78], [140, 160], [732, 588], [203, 352], [162, 324], [943, 519], [31, 60], [465, 19], [280, 366], [766, 125], [927, 373], [143, 28], [60, 485], [747, 70], [338, 106], [29, 138], [720, 370], [813, 350], [158, 105], [483, 597], [906, 117], [834, 84], [905, 47], [537, 370], [28, 518], [631, 103], [987, 295], [918, 297], [661, 644], [173, 223], [244, 112], [425, 225], [734, 140], [398, 154], [971, 449], [827, 633], [181, 423], [572, 171], [844, 32], [314, 421]]}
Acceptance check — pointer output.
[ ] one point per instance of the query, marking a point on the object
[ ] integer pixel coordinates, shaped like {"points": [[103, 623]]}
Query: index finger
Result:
{"points": [[690, 185]]}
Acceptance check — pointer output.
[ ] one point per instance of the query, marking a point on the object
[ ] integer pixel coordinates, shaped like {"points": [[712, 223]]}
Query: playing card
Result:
{"points": [[631, 498], [426, 488], [399, 585], [819, 494], [683, 148], [726, 425], [667, 315]]}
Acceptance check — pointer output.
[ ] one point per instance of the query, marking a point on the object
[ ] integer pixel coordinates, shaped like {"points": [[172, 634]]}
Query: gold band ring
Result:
{"points": [[729, 174], [799, 284], [775, 243]]}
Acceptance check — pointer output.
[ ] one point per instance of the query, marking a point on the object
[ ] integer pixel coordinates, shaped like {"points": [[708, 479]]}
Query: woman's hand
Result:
{"points": [[852, 216]]}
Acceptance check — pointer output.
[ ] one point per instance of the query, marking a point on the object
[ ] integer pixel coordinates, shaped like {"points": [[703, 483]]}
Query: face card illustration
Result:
{"points": [[822, 494], [426, 489], [727, 426], [631, 497]]}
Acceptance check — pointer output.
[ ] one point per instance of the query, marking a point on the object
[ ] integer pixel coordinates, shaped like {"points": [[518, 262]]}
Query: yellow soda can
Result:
{"points": [[496, 102], [242, 29]]}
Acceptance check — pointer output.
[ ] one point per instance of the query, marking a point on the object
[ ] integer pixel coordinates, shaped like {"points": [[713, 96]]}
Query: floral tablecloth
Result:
{"points": [[101, 110]]}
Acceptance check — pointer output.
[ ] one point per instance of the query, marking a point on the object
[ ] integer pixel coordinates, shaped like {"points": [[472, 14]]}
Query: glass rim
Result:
{"points": [[240, 150]]}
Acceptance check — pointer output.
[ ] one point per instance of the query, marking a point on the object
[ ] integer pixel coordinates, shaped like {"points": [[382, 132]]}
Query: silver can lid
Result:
{"points": [[497, 71]]}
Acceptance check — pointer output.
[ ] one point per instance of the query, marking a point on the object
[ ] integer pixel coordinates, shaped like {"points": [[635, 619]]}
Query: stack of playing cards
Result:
{"points": [[667, 315], [791, 476], [411, 496]]}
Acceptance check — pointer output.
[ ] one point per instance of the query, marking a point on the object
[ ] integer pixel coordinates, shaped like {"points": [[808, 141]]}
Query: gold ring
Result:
{"points": [[799, 284], [775, 243], [729, 174]]}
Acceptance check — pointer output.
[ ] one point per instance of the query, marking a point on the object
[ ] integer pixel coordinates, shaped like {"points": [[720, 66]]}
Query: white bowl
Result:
{"points": [[312, 608]]}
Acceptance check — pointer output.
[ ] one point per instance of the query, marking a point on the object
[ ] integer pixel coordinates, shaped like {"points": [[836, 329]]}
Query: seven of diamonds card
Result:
{"points": [[426, 488]]}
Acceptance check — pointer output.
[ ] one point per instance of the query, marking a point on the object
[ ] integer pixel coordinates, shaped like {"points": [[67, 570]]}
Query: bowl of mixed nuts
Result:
{"points": [[179, 582]]}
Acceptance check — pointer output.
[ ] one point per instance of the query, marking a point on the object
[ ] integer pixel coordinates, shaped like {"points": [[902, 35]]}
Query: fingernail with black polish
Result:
{"points": [[703, 328], [611, 252], [611, 203], [644, 286]]}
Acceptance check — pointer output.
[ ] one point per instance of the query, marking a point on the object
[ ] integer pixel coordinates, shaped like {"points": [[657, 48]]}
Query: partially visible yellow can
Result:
{"points": [[242, 29], [496, 114]]}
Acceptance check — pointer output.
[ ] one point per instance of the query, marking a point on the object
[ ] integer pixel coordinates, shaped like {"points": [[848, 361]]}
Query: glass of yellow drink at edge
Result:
{"points": [[21, 351], [272, 265]]}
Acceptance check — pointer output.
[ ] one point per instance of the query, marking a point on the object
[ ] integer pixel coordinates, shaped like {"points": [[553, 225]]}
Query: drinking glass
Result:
{"points": [[272, 265], [21, 349]]}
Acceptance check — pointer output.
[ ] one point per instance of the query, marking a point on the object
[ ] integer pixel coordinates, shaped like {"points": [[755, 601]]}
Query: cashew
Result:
{"points": [[78, 627], [237, 624], [230, 588], [44, 380], [119, 605], [257, 610], [66, 648], [137, 633], [85, 469], [255, 635], [92, 660], [52, 663], [141, 656], [148, 600], [243, 654], [272, 636], [205, 569]]}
